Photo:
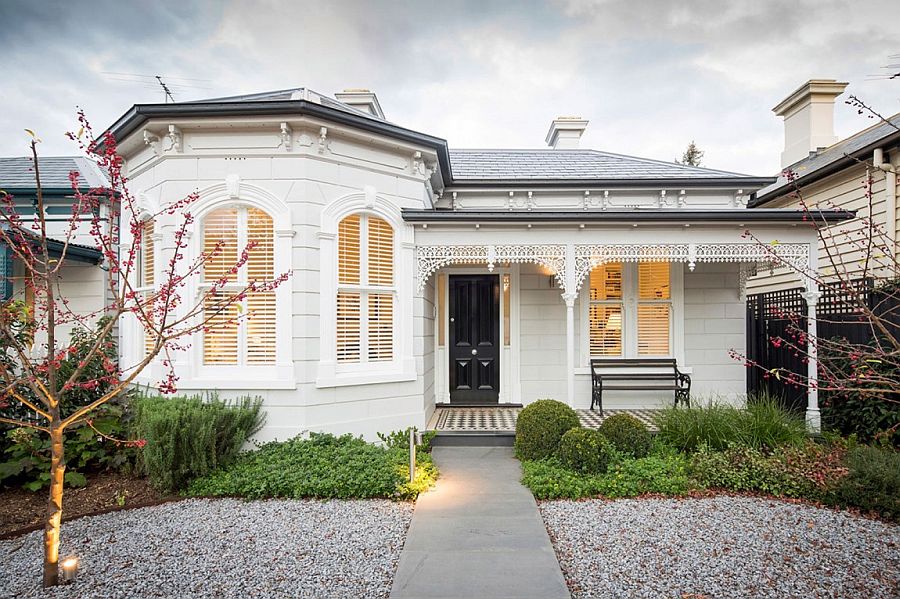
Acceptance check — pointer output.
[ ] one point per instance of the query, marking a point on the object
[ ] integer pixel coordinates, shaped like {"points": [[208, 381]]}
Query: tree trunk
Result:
{"points": [[54, 505]]}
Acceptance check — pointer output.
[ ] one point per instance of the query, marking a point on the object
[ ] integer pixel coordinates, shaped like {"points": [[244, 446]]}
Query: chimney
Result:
{"points": [[565, 132], [808, 119], [361, 99]]}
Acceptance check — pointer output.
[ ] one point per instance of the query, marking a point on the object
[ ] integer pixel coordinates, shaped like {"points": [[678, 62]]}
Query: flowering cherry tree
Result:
{"points": [[35, 390], [859, 269]]}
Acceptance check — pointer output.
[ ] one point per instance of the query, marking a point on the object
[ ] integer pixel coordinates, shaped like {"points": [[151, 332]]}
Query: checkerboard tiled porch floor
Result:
{"points": [[504, 419]]}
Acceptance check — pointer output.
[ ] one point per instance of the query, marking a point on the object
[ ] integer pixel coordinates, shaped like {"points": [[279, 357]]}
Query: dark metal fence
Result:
{"points": [[776, 313]]}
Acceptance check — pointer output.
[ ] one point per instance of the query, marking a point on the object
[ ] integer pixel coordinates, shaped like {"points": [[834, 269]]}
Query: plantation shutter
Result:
{"points": [[220, 244], [6, 272], [365, 298], [654, 311], [605, 311], [260, 320], [147, 276]]}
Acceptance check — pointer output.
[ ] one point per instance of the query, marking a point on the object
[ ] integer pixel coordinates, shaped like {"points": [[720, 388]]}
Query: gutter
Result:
{"points": [[623, 216]]}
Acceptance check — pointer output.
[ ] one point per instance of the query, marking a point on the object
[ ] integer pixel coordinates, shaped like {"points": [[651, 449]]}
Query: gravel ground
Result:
{"points": [[721, 547], [222, 548]]}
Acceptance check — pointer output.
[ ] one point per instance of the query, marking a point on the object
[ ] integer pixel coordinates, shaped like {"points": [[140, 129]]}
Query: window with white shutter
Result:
{"points": [[366, 293], [241, 332], [646, 289], [654, 309], [605, 311], [146, 275]]}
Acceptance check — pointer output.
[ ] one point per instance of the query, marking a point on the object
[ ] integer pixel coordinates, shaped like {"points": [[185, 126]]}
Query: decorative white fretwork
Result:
{"points": [[525, 203], [431, 258]]}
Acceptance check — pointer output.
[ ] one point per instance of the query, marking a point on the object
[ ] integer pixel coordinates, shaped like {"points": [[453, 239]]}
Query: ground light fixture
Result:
{"points": [[69, 568]]}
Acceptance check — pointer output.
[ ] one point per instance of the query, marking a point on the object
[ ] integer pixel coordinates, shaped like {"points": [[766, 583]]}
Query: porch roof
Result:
{"points": [[759, 215]]}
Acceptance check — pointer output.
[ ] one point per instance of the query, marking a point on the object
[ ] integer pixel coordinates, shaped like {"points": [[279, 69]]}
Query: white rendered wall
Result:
{"points": [[542, 334]]}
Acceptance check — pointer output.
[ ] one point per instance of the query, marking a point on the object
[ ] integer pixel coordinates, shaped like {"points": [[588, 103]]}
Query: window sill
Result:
{"points": [[399, 373], [267, 378]]}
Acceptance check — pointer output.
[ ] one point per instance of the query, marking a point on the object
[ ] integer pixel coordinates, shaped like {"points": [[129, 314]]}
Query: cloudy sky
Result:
{"points": [[650, 75]]}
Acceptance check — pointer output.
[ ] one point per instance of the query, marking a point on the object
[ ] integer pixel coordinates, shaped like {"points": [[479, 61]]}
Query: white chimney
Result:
{"points": [[808, 119], [361, 99], [565, 132]]}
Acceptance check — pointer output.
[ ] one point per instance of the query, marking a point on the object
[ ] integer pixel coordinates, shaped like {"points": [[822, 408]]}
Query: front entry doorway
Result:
{"points": [[474, 339]]}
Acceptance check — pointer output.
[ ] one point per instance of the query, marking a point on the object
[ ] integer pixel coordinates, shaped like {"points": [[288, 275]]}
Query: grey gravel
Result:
{"points": [[721, 547], [222, 548]]}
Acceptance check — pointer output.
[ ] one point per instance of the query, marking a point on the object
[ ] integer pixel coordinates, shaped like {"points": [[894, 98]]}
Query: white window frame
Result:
{"points": [[364, 290], [330, 372], [630, 302]]}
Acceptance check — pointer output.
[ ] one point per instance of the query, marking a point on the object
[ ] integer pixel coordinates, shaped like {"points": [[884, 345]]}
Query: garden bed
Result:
{"points": [[223, 548], [720, 547], [22, 510]]}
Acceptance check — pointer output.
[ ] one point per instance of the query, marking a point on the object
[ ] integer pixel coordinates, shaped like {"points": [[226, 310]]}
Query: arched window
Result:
{"points": [[366, 293], [243, 332]]}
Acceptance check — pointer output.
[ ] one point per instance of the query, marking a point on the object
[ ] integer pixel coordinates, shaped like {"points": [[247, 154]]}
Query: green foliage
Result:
{"points": [[187, 437], [627, 434], [540, 426], [809, 471], [873, 481], [26, 453], [322, 466], [869, 416], [400, 439], [664, 473], [763, 424], [585, 450]]}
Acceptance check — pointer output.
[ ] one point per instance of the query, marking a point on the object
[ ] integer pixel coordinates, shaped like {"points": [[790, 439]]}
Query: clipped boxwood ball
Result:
{"points": [[585, 450], [540, 426], [627, 434]]}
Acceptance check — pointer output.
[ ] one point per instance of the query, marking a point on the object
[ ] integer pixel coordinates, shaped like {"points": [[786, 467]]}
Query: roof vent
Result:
{"points": [[565, 132], [361, 99], [808, 119]]}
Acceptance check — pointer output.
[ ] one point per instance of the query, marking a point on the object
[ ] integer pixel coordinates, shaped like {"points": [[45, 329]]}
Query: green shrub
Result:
{"points": [[585, 450], [322, 466], [627, 434], [187, 437], [809, 471], [400, 439], [540, 426], [658, 473], [763, 424], [873, 481]]}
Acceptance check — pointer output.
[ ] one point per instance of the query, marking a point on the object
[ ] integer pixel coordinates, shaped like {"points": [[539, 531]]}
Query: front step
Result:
{"points": [[474, 439]]}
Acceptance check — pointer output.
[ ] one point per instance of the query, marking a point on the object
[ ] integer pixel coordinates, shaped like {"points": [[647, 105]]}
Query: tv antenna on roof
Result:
{"points": [[166, 89], [170, 85]]}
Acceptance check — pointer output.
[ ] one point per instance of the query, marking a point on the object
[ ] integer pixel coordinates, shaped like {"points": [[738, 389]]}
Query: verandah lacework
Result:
{"points": [[366, 292]]}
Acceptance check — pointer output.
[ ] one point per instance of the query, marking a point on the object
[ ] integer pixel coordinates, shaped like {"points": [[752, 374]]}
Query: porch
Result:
{"points": [[503, 419]]}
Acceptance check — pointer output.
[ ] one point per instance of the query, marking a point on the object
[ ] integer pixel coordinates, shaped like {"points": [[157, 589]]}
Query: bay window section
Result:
{"points": [[654, 309], [606, 310]]}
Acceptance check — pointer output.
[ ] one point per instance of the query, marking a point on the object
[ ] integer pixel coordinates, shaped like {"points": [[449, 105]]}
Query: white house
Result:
{"points": [[424, 276]]}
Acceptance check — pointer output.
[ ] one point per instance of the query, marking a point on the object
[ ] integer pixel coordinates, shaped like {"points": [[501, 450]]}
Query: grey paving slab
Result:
{"points": [[478, 534]]}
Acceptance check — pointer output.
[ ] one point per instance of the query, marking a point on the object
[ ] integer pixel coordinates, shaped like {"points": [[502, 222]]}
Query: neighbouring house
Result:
{"points": [[830, 173], [81, 281], [424, 276]]}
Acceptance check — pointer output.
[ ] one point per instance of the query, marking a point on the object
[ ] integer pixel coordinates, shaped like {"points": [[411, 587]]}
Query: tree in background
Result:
{"points": [[692, 155], [41, 387]]}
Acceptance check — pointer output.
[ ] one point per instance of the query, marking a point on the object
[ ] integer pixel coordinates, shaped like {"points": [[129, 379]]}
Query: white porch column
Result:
{"points": [[570, 347], [569, 296], [813, 417]]}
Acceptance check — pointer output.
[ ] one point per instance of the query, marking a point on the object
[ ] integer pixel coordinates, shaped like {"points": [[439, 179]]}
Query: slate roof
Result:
{"points": [[18, 173], [824, 162], [294, 93], [570, 165]]}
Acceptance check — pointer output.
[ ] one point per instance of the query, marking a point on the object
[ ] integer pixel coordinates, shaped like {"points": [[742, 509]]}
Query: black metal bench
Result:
{"points": [[640, 374]]}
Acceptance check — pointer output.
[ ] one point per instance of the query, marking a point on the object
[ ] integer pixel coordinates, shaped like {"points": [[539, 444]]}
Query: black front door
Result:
{"points": [[474, 339]]}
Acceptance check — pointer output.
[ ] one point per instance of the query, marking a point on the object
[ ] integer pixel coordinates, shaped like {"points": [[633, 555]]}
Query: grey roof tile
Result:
{"points": [[550, 164], [283, 95], [19, 172], [832, 154]]}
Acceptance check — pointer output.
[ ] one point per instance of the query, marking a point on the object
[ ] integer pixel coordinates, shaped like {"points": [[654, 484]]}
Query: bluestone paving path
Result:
{"points": [[478, 533]]}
